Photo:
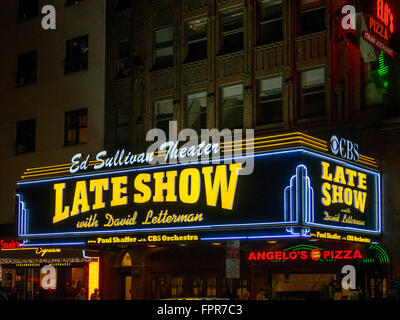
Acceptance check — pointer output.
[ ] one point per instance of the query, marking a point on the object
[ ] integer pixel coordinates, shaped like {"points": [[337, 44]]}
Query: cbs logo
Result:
{"points": [[345, 148]]}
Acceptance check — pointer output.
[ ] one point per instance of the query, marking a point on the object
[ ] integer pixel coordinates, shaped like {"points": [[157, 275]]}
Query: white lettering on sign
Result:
{"points": [[349, 20], [49, 280], [349, 280]]}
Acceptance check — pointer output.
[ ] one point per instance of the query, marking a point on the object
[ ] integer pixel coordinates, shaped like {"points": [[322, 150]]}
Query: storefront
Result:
{"points": [[25, 272], [194, 229]]}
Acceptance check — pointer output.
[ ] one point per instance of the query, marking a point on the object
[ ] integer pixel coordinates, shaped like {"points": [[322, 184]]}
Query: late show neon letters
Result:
{"points": [[344, 186], [169, 186]]}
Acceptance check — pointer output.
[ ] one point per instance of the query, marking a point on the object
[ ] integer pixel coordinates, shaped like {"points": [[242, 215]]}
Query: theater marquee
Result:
{"points": [[295, 190]]}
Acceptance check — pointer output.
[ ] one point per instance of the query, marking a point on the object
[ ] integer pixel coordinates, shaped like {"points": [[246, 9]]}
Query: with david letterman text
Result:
{"points": [[214, 182]]}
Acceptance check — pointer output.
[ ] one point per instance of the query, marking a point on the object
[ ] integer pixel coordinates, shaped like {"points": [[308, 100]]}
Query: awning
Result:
{"points": [[40, 255]]}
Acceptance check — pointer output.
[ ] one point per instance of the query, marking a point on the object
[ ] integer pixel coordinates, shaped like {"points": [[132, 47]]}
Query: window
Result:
{"points": [[312, 16], [122, 132], [27, 9], [196, 111], [270, 101], [76, 131], [270, 21], [123, 5], [123, 68], [232, 31], [77, 54], [196, 39], [27, 65], [71, 2], [164, 48], [26, 133], [312, 93], [163, 114], [232, 107]]}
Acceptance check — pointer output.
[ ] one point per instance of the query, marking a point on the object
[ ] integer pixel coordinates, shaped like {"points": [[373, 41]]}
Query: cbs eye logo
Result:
{"points": [[345, 148]]}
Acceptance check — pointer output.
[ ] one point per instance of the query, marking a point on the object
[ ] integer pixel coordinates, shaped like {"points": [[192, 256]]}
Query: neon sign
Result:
{"points": [[347, 187], [149, 238], [384, 14], [285, 192], [305, 255], [125, 158], [9, 245], [382, 22], [347, 149]]}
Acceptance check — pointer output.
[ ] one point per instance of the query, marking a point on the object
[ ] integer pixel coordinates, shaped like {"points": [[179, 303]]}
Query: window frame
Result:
{"points": [[34, 14], [190, 42], [200, 113], [163, 45], [222, 108], [260, 102], [119, 125], [121, 6], [67, 128], [19, 140], [155, 113], [302, 107], [68, 57], [21, 72], [222, 34], [260, 23], [119, 63], [304, 9]]}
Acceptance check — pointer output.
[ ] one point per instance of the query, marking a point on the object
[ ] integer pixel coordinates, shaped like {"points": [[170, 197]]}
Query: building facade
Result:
{"points": [[52, 105], [52, 95]]}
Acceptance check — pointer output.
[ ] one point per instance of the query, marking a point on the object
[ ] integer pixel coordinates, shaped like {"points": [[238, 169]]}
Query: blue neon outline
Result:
{"points": [[261, 224], [301, 199], [250, 237], [55, 244], [272, 153]]}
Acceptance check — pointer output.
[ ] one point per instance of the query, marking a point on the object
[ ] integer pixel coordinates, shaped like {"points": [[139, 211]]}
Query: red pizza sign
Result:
{"points": [[382, 21], [304, 255]]}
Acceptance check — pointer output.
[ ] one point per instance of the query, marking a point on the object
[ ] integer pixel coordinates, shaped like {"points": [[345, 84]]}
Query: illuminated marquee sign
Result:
{"points": [[381, 26], [288, 189]]}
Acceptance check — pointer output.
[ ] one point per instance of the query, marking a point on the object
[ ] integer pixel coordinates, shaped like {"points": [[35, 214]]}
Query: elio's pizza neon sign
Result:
{"points": [[382, 22]]}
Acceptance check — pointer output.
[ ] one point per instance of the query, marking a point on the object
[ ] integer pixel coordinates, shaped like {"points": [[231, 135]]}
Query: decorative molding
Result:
{"points": [[192, 6], [230, 65], [221, 3], [194, 73], [162, 80], [311, 46], [268, 57], [162, 13]]}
